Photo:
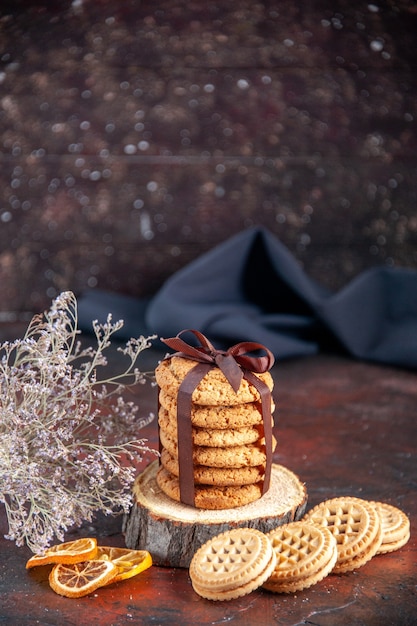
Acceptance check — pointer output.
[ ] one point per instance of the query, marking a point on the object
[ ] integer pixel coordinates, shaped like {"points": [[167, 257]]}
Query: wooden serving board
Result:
{"points": [[172, 532]]}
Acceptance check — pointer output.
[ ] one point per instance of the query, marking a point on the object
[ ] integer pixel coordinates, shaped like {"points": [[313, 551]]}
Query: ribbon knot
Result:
{"points": [[248, 355]]}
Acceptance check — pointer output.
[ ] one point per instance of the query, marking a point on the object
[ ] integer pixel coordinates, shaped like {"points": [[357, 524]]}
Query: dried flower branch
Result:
{"points": [[68, 439]]}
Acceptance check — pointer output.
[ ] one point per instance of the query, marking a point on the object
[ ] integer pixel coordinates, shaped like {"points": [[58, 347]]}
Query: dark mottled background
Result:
{"points": [[136, 135]]}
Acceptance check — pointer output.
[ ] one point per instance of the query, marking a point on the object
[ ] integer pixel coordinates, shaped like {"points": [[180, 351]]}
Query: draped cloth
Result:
{"points": [[250, 288]]}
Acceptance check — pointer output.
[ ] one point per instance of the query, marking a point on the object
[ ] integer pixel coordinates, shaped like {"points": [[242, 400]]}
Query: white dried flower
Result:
{"points": [[68, 439]]}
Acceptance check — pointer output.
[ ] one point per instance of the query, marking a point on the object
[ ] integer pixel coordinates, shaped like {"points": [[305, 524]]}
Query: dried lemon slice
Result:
{"points": [[79, 579], [129, 562], [68, 552]]}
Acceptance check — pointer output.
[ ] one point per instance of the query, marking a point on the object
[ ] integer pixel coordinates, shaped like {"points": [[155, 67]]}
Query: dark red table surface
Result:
{"points": [[345, 428]]}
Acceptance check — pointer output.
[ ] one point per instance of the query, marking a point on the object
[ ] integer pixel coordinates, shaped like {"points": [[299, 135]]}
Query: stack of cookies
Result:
{"points": [[228, 447]]}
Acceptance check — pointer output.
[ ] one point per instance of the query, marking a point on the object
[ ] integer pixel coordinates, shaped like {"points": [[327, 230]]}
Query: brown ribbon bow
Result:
{"points": [[236, 363]]}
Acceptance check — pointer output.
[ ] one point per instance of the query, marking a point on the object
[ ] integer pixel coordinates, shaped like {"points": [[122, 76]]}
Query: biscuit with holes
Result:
{"points": [[232, 564], [214, 389], [211, 497], [305, 552], [356, 527], [220, 476]]}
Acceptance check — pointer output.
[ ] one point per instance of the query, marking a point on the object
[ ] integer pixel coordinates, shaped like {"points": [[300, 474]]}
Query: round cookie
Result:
{"points": [[305, 553], [395, 527], [213, 390], [212, 437], [210, 497], [356, 527], [222, 477], [232, 564], [233, 456], [221, 416]]}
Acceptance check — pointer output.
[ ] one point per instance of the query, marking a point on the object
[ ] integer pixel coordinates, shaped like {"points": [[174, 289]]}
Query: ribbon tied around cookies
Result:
{"points": [[243, 360]]}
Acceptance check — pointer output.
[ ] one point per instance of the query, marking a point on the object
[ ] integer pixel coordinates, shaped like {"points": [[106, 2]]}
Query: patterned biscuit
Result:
{"points": [[210, 497], [395, 527], [303, 583], [232, 564], [222, 477], [305, 555], [303, 549], [232, 594], [213, 390], [221, 416], [392, 546], [362, 557], [372, 549], [233, 456], [356, 527], [212, 437]]}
